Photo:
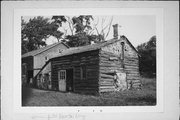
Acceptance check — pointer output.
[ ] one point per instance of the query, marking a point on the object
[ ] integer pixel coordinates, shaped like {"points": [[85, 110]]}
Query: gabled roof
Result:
{"points": [[75, 50], [125, 38], [35, 52], [96, 46]]}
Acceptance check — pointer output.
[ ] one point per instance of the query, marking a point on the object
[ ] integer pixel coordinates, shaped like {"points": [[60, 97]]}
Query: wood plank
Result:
{"points": [[106, 87], [106, 76], [107, 79], [106, 90]]}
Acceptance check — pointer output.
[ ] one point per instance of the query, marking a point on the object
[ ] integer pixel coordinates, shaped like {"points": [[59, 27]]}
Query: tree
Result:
{"points": [[35, 32], [23, 38], [82, 30], [104, 27], [147, 61], [81, 25]]}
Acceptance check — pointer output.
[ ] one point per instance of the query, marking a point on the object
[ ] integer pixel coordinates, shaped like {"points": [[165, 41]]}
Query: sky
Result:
{"points": [[137, 28]]}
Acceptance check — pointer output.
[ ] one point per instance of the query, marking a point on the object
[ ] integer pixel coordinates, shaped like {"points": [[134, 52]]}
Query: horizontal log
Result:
{"points": [[107, 79], [131, 64], [106, 87], [107, 53], [106, 84], [132, 72], [131, 68], [107, 72], [132, 75], [106, 90], [106, 76], [73, 60], [106, 64], [110, 68], [66, 66], [110, 65], [131, 60], [132, 78]]}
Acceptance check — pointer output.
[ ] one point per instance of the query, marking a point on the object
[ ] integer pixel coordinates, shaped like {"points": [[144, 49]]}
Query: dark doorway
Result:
{"points": [[69, 80], [30, 75]]}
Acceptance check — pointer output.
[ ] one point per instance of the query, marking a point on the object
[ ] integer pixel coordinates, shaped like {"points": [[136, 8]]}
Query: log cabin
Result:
{"points": [[33, 61], [111, 65]]}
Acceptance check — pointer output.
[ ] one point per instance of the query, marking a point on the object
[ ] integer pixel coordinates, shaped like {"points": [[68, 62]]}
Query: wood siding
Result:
{"points": [[40, 61], [76, 61], [109, 63], [111, 60]]}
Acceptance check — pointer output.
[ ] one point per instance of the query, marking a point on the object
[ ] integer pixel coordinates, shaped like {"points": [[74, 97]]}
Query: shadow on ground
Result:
{"points": [[26, 95]]}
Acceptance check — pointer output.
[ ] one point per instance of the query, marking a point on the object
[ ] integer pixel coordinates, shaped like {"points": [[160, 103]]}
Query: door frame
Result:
{"points": [[59, 71]]}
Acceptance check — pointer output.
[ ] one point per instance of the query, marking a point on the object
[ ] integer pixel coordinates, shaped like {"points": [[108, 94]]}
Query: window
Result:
{"points": [[60, 50], [46, 58], [62, 75], [83, 72]]}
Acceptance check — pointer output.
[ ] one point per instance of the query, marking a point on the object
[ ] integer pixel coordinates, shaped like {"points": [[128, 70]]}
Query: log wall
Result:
{"points": [[129, 64], [109, 63], [88, 59]]}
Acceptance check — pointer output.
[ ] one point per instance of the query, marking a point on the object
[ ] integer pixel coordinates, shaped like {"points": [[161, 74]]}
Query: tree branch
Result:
{"points": [[110, 24]]}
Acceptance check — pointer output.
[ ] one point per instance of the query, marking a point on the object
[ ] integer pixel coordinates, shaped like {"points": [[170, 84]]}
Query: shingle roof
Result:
{"points": [[75, 50], [35, 52]]}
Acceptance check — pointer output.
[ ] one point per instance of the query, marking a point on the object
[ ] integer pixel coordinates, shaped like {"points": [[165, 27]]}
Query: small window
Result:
{"points": [[60, 50], [46, 58], [83, 72], [62, 75]]}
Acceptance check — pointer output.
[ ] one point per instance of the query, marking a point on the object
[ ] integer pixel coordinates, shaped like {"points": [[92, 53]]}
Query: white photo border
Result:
{"points": [[17, 101]]}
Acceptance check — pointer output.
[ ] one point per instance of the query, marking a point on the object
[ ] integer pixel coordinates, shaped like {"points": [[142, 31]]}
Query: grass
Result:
{"points": [[144, 97]]}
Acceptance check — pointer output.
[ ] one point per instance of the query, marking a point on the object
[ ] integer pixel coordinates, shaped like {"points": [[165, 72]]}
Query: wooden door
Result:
{"points": [[62, 80]]}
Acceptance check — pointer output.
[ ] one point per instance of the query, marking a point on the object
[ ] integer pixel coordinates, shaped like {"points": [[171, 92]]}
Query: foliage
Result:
{"points": [[59, 20], [81, 30], [35, 32], [147, 61]]}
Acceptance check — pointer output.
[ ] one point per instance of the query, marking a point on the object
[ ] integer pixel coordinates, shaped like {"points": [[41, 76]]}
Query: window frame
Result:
{"points": [[62, 75], [83, 72]]}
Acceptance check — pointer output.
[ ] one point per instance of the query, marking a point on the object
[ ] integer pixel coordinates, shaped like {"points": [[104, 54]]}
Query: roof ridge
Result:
{"points": [[40, 50], [86, 48]]}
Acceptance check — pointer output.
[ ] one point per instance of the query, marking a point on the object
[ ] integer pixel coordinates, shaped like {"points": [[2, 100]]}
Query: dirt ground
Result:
{"points": [[144, 97]]}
